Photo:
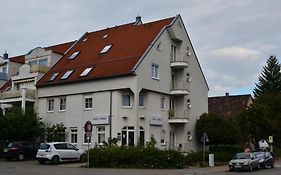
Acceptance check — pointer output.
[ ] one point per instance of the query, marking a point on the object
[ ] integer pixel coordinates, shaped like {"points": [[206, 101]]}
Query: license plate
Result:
{"points": [[5, 150], [238, 166]]}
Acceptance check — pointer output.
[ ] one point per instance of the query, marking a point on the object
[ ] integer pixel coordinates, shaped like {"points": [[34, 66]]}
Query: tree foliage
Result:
{"points": [[18, 125], [270, 78], [219, 130], [56, 133]]}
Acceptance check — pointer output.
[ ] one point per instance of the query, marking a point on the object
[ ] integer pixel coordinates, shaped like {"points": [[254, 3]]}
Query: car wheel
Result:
{"points": [[20, 156], [55, 160], [251, 167], [265, 166], [258, 167], [272, 165], [41, 161], [230, 170]]}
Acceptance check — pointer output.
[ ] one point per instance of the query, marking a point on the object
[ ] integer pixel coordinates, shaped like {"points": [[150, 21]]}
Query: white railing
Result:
{"points": [[179, 57]]}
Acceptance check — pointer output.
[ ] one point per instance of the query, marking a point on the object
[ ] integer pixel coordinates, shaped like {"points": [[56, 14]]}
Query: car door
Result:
{"points": [[72, 151], [62, 150]]}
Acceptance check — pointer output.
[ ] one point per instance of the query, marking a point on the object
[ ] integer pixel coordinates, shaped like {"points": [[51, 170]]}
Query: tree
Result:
{"points": [[270, 78], [56, 133], [219, 130], [22, 125]]}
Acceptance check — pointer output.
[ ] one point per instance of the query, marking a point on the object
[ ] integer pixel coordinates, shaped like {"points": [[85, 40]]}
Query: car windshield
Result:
{"points": [[259, 154], [242, 156], [12, 145], [44, 146]]}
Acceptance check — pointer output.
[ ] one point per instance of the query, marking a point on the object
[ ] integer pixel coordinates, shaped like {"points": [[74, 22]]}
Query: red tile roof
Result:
{"points": [[18, 59], [128, 41], [228, 105]]}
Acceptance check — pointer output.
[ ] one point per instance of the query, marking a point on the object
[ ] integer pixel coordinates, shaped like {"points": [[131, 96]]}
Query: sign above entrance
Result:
{"points": [[156, 120], [101, 120]]}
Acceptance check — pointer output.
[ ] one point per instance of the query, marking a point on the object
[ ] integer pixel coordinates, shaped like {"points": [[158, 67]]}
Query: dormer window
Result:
{"points": [[86, 72], [73, 55], [54, 76], [66, 75], [106, 48]]}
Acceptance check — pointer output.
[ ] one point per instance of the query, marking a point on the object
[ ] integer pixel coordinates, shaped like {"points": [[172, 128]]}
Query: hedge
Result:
{"points": [[135, 157]]}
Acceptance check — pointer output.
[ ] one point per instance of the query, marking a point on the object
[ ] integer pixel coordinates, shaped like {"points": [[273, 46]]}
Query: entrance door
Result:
{"points": [[124, 138], [131, 138]]}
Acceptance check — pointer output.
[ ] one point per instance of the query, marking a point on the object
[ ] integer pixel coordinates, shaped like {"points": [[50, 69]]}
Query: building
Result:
{"points": [[229, 105], [23, 72], [133, 82]]}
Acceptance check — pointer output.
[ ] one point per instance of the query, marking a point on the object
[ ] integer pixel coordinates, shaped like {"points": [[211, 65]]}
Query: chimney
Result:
{"points": [[138, 20], [226, 94], [5, 55]]}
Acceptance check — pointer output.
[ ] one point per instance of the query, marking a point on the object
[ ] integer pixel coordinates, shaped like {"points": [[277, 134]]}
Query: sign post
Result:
{"points": [[204, 139], [270, 140], [88, 129]]}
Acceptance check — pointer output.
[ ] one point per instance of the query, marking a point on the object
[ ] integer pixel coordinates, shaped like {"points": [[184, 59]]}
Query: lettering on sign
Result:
{"points": [[101, 120], [156, 120]]}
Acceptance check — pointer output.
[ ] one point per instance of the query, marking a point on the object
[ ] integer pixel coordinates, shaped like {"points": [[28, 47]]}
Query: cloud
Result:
{"points": [[237, 52]]}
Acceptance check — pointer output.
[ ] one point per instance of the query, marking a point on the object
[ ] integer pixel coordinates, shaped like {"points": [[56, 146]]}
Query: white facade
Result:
{"points": [[173, 93]]}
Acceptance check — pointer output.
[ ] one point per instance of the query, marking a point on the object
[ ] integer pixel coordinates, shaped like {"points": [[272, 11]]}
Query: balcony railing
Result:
{"points": [[30, 93], [179, 60], [178, 116], [179, 88], [39, 68], [3, 76]]}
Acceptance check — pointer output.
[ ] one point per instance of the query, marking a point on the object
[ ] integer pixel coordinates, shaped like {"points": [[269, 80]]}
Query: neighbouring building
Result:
{"points": [[133, 82], [23, 72], [229, 105]]}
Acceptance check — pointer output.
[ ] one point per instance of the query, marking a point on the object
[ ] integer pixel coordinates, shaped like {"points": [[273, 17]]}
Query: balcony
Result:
{"points": [[39, 68], [180, 88], [179, 61], [178, 116], [3, 76], [17, 94]]}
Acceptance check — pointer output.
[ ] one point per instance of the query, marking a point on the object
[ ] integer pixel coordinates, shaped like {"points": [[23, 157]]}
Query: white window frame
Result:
{"points": [[155, 71], [163, 137], [85, 140], [73, 55], [66, 74], [51, 107], [105, 49], [74, 134], [54, 76], [62, 104], [143, 101], [162, 103], [86, 72], [88, 103], [130, 100], [99, 134], [173, 52]]}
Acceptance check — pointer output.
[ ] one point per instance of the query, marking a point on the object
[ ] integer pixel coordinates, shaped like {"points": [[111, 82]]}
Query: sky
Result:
{"points": [[232, 38]]}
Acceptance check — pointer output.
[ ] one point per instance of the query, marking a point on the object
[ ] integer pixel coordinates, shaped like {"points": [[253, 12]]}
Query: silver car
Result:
{"points": [[57, 152], [244, 161]]}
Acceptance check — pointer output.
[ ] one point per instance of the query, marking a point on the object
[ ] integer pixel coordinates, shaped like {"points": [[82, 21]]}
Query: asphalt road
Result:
{"points": [[33, 168]]}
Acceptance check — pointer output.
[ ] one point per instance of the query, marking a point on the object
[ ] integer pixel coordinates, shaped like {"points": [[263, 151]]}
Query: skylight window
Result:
{"points": [[106, 48], [53, 76], [73, 55], [86, 72], [66, 75], [105, 36]]}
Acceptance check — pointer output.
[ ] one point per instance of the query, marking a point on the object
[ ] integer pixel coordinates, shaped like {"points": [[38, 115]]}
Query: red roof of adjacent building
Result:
{"points": [[18, 59], [128, 43], [228, 105]]}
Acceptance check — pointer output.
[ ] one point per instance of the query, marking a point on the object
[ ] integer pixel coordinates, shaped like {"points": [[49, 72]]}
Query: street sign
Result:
{"points": [[88, 126], [205, 138], [270, 139]]}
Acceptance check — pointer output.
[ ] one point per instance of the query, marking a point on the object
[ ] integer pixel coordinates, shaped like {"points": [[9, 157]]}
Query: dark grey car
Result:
{"points": [[265, 159], [244, 161]]}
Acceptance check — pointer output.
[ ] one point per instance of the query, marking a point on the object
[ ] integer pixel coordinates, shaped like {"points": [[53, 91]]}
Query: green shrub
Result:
{"points": [[135, 157]]}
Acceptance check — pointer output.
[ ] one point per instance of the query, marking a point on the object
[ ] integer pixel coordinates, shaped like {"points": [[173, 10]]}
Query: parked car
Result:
{"points": [[57, 152], [265, 159], [20, 150], [244, 161]]}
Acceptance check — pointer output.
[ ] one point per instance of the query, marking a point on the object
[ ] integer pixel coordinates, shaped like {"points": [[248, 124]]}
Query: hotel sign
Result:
{"points": [[100, 120], [156, 120]]}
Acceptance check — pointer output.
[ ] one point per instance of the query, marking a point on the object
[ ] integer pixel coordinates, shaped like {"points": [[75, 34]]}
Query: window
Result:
{"points": [[66, 75], [105, 36], [126, 101], [86, 139], [43, 62], [163, 135], [51, 105], [32, 62], [173, 52], [73, 55], [73, 135], [53, 76], [86, 72], [158, 46], [141, 100], [4, 70], [106, 48], [162, 103], [155, 70], [88, 102], [100, 135], [63, 104]]}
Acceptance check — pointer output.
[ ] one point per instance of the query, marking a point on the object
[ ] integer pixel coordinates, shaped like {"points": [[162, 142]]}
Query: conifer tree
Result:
{"points": [[270, 78]]}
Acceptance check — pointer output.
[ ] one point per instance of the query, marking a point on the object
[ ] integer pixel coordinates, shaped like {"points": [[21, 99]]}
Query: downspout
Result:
{"points": [[110, 115]]}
